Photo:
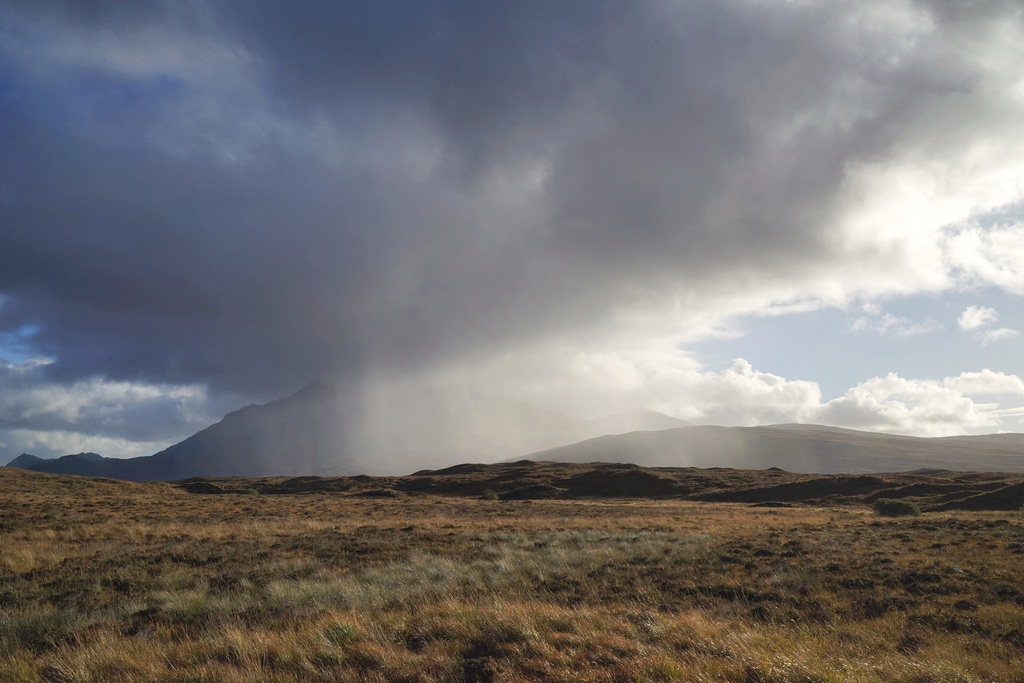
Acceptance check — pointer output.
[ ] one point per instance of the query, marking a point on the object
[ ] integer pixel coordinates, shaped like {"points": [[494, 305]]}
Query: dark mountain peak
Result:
{"points": [[87, 457], [88, 464], [318, 389], [68, 464], [25, 461]]}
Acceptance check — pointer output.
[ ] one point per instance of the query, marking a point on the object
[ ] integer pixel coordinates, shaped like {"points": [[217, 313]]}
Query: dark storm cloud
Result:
{"points": [[479, 70], [341, 185], [151, 266], [103, 12], [642, 105], [139, 263]]}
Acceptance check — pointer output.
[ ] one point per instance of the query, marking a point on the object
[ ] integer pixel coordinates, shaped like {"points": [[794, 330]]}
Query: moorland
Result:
{"points": [[522, 571]]}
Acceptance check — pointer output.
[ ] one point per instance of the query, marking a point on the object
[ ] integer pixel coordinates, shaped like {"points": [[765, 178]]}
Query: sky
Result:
{"points": [[737, 212]]}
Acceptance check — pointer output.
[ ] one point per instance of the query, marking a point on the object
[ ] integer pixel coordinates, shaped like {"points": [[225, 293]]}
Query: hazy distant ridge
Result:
{"points": [[798, 448]]}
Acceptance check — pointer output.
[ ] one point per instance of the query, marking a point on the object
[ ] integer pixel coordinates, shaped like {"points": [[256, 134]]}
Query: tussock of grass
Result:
{"points": [[896, 507]]}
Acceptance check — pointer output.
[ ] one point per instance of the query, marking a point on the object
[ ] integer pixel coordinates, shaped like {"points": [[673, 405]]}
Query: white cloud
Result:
{"points": [[974, 317], [993, 256], [672, 382], [97, 402], [51, 443], [114, 418], [907, 406], [900, 326], [741, 395], [872, 308], [985, 382], [999, 334]]}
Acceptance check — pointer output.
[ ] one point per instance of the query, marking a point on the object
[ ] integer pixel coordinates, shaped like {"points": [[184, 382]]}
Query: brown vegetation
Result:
{"points": [[374, 579]]}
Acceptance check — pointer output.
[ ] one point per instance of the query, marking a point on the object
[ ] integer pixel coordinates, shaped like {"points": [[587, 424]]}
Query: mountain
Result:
{"points": [[294, 435], [798, 448], [314, 432], [300, 434], [79, 463], [25, 461]]}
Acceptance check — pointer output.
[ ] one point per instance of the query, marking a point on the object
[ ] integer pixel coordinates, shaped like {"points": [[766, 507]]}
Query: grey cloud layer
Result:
{"points": [[253, 194]]}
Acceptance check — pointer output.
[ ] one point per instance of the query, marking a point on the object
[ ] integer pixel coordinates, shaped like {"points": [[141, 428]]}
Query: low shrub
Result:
{"points": [[896, 507]]}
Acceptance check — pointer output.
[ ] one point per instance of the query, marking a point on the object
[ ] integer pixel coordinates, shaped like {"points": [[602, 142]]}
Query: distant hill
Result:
{"points": [[798, 448], [312, 433], [79, 463], [25, 461]]}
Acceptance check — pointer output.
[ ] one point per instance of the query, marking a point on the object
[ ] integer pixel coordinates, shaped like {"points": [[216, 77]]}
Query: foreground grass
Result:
{"points": [[108, 581]]}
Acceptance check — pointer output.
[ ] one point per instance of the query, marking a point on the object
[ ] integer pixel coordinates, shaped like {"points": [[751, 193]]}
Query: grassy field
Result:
{"points": [[105, 581]]}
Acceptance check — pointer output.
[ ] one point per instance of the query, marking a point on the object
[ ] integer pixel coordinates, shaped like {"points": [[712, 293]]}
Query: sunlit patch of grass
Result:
{"points": [[19, 560]]}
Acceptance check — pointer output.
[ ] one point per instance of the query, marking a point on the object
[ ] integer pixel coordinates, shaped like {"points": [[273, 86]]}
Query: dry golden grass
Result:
{"points": [[104, 581]]}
